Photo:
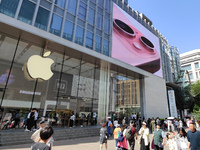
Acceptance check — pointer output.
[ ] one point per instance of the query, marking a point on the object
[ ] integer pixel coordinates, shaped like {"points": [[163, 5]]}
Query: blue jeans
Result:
{"points": [[116, 141], [109, 131]]}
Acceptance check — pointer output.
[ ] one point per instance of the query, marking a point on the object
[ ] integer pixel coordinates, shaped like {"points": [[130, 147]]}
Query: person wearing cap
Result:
{"points": [[159, 137], [193, 137], [116, 133], [144, 132]]}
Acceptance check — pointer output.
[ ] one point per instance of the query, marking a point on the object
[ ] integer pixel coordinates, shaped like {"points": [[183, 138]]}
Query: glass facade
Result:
{"points": [[61, 17], [79, 85]]}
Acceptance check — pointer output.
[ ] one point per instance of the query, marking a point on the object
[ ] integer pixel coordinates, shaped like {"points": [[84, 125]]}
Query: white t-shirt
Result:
{"points": [[115, 123], [72, 117]]}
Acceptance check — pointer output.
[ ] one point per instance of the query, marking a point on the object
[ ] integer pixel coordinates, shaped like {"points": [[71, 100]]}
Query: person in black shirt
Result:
{"points": [[45, 134]]}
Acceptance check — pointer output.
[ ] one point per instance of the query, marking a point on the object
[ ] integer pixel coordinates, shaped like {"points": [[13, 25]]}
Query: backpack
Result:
{"points": [[129, 134], [121, 137]]}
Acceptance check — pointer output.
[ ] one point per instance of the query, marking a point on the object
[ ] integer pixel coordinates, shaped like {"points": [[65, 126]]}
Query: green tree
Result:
{"points": [[195, 91]]}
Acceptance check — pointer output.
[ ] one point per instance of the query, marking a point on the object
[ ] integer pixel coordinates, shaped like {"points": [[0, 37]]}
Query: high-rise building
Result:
{"points": [[79, 40], [190, 62]]}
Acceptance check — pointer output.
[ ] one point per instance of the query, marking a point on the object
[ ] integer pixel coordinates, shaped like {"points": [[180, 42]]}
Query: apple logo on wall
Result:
{"points": [[40, 67]]}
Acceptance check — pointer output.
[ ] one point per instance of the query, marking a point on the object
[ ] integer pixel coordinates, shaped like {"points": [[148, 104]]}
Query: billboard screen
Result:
{"points": [[134, 44]]}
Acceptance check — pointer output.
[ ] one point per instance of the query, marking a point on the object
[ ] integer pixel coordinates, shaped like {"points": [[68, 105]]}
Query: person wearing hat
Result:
{"points": [[159, 137], [144, 139], [116, 133], [193, 137]]}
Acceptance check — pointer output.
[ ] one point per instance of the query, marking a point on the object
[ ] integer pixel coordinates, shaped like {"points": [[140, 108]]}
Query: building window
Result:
{"points": [[187, 67], [72, 6], [107, 7], [42, 18], [60, 3], [8, 7], [82, 10], [197, 65], [26, 12], [197, 75], [191, 76], [98, 44], [99, 21], [107, 25], [89, 40], [106, 48], [91, 16], [68, 30], [79, 35], [100, 3], [56, 24]]}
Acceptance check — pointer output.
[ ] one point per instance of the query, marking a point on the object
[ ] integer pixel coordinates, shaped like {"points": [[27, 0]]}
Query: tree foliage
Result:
{"points": [[195, 91]]}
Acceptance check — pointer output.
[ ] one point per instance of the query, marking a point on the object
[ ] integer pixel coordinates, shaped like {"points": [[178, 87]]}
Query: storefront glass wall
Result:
{"points": [[90, 89]]}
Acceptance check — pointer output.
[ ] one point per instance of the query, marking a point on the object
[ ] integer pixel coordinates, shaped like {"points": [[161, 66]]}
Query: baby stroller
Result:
{"points": [[7, 121]]}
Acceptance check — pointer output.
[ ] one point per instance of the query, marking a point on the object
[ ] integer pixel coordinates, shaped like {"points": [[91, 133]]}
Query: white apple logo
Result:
{"points": [[40, 67]]}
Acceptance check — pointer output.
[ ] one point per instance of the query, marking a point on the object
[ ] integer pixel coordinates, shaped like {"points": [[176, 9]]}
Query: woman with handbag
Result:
{"points": [[144, 138]]}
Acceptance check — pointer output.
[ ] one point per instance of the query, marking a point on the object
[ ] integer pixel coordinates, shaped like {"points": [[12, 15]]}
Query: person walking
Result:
{"points": [[152, 124], [109, 127], [123, 144], [35, 117], [116, 132], [45, 134], [193, 137], [144, 133], [182, 139], [72, 119], [103, 136], [159, 137], [30, 121], [133, 135]]}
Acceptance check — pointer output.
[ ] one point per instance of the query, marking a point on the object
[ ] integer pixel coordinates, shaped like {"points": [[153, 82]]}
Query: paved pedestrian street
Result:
{"points": [[89, 143]]}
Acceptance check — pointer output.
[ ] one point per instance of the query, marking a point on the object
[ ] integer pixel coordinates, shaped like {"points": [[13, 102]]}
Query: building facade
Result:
{"points": [[190, 62], [76, 36]]}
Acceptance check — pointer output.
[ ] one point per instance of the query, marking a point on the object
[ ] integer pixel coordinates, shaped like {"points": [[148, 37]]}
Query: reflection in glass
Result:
{"points": [[26, 12], [68, 30], [91, 16], [82, 10], [98, 44], [89, 40], [106, 48], [107, 25], [79, 35], [9, 7], [100, 3], [72, 6], [56, 24], [107, 7], [42, 18], [60, 3], [99, 21]]}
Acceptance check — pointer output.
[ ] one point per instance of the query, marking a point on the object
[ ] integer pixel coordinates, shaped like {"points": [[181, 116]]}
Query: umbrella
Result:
{"points": [[170, 118]]}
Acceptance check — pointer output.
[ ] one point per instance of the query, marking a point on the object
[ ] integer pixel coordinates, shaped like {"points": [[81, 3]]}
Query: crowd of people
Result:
{"points": [[169, 131]]}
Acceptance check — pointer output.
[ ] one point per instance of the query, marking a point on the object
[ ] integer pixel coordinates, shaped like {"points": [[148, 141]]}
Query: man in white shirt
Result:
{"points": [[134, 117]]}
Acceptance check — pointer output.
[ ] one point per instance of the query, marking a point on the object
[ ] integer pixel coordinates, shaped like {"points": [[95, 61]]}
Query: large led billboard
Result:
{"points": [[134, 44]]}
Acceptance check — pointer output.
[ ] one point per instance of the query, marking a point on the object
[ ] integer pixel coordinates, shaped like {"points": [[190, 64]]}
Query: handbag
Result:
{"points": [[140, 140], [152, 144]]}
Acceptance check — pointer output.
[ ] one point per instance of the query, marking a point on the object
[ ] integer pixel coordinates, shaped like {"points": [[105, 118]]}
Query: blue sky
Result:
{"points": [[177, 20]]}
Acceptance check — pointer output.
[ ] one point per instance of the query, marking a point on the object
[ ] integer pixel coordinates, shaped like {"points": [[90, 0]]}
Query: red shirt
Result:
{"points": [[133, 130]]}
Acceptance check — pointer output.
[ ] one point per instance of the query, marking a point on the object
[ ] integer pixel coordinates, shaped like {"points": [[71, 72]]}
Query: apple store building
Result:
{"points": [[83, 57]]}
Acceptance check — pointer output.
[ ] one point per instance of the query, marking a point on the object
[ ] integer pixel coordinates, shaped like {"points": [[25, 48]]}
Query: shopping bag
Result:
{"points": [[152, 144]]}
